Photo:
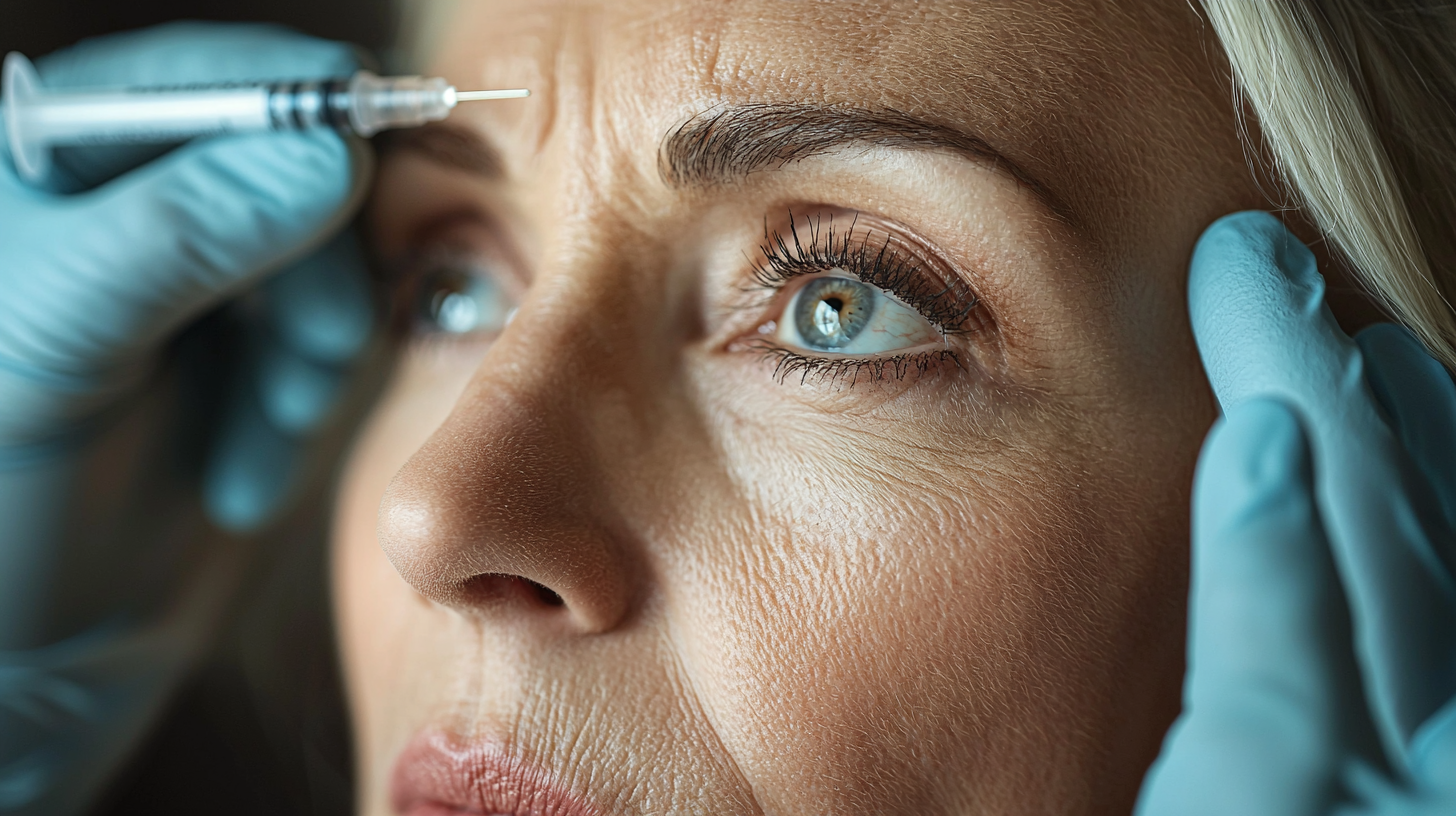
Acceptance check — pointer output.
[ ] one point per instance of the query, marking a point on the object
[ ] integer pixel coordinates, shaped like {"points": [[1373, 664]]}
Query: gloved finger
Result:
{"points": [[1433, 753], [185, 52], [321, 307], [294, 392], [1257, 308], [315, 318], [1420, 400], [252, 467], [173, 54], [158, 246], [1271, 674]]}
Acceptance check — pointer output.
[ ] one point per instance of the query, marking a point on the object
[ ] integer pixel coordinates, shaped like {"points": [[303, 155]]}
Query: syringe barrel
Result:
{"points": [[96, 118], [37, 118], [174, 114]]}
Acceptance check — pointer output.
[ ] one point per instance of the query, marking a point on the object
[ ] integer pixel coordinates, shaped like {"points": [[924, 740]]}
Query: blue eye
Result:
{"points": [[831, 312], [456, 298], [840, 314]]}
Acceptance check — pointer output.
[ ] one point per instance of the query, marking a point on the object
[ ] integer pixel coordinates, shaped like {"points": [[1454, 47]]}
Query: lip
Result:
{"points": [[438, 774]]}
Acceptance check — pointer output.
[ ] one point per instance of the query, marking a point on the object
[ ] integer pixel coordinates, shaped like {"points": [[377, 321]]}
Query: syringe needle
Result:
{"points": [[475, 96]]}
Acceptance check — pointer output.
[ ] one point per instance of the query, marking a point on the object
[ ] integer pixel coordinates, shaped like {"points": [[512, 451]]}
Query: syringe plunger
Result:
{"points": [[36, 119]]}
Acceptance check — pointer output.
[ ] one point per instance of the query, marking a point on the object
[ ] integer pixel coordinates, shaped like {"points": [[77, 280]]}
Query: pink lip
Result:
{"points": [[437, 775]]}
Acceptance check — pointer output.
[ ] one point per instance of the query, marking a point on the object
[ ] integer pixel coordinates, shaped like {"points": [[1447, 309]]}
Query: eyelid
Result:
{"points": [[876, 253], [469, 233], [921, 279]]}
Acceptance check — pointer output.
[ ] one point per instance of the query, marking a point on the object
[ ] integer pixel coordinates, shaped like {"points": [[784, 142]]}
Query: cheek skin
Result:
{"points": [[907, 606]]}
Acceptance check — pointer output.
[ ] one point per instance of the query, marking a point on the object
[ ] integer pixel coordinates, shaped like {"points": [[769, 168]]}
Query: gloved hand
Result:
{"points": [[1322, 643], [103, 592]]}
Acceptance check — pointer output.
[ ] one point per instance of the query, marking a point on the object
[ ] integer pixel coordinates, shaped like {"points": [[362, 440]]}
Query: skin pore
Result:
{"points": [[639, 539]]}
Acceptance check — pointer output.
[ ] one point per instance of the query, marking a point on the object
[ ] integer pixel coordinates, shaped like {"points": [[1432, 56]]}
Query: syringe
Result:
{"points": [[37, 119]]}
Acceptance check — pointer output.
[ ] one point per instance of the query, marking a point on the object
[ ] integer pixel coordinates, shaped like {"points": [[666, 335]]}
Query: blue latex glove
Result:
{"points": [[1322, 645], [103, 593]]}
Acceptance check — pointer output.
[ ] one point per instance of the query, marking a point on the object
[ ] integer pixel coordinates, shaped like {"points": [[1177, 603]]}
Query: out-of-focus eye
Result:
{"points": [[460, 298], [839, 314]]}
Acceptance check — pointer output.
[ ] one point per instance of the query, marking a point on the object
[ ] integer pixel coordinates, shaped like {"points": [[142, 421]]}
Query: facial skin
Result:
{"points": [[791, 591]]}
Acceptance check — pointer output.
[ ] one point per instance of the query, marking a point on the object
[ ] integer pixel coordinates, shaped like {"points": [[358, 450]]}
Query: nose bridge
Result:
{"points": [[600, 297], [513, 485], [519, 481]]}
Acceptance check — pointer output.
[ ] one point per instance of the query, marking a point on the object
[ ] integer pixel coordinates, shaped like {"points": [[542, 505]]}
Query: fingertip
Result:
{"points": [[322, 307], [1433, 750], [1400, 373], [1419, 400], [249, 472], [1250, 261], [1396, 357], [1256, 305], [1251, 238], [296, 394]]}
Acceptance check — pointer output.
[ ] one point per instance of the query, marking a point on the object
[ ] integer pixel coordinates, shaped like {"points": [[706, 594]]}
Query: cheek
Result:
{"points": [[888, 598]]}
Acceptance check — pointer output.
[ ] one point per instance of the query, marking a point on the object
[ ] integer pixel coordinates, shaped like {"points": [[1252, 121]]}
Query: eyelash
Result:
{"points": [[948, 305], [849, 370]]}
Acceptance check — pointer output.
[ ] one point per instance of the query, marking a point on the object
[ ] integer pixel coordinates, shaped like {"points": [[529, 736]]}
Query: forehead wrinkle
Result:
{"points": [[589, 134], [507, 43]]}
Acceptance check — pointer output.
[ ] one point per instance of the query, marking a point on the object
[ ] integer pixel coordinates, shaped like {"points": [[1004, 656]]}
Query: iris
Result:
{"points": [[831, 312], [458, 299]]}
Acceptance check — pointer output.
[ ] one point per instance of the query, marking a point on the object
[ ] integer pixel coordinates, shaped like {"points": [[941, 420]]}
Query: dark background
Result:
{"points": [[260, 726], [36, 27]]}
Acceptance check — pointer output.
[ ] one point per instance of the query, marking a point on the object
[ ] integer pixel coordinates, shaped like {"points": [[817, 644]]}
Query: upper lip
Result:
{"points": [[438, 771]]}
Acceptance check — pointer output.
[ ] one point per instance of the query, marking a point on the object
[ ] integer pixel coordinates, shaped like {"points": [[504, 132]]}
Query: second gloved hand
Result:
{"points": [[1322, 636]]}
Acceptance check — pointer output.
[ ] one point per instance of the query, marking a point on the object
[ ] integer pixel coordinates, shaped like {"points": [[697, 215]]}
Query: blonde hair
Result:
{"points": [[1356, 103]]}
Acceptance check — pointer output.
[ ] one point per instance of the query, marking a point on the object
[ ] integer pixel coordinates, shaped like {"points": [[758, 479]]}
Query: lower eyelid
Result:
{"points": [[852, 370]]}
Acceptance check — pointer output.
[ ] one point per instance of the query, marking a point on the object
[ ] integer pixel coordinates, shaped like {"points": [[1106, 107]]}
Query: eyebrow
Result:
{"points": [[723, 146], [453, 146]]}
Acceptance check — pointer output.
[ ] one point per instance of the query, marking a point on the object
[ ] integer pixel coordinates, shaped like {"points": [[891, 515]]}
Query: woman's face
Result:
{"points": [[796, 410]]}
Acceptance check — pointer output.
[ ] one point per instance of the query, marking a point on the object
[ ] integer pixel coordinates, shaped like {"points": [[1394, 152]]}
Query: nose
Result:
{"points": [[502, 510]]}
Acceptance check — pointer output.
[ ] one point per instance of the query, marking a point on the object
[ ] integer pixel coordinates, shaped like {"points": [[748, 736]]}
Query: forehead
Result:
{"points": [[1103, 102]]}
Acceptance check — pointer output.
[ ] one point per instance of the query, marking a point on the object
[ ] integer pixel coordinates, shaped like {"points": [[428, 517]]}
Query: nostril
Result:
{"points": [[545, 594], [494, 588]]}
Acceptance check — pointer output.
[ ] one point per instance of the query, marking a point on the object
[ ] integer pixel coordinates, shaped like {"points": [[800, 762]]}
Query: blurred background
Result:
{"points": [[260, 725]]}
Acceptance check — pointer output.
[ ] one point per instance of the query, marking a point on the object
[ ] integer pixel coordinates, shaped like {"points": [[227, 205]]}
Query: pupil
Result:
{"points": [[826, 316]]}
